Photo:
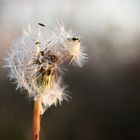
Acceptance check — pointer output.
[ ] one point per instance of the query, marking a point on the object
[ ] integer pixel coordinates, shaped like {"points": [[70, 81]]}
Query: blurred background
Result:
{"points": [[105, 102]]}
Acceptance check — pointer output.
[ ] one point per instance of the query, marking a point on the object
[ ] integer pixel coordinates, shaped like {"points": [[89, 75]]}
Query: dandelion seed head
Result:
{"points": [[35, 61]]}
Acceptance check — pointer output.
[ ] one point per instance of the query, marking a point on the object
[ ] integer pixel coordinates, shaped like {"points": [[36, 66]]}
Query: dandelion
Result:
{"points": [[35, 65]]}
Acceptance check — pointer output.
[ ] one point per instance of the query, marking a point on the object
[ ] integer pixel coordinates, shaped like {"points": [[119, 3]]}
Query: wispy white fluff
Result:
{"points": [[35, 59]]}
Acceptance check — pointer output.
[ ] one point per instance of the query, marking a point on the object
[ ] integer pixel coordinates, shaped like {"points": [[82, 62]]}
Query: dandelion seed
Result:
{"points": [[41, 24], [35, 62]]}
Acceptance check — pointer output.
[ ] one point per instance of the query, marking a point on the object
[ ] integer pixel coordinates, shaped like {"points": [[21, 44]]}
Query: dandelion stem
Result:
{"points": [[36, 119]]}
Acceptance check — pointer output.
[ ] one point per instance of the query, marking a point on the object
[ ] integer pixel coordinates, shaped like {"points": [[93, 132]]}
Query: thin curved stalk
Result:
{"points": [[36, 119]]}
